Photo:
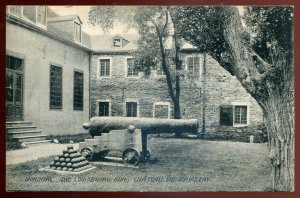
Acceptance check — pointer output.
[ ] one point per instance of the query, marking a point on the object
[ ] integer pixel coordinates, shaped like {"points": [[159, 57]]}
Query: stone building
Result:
{"points": [[57, 77], [208, 92]]}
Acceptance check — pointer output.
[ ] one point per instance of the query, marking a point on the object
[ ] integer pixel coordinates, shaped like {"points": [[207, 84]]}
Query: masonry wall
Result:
{"points": [[221, 89], [38, 52]]}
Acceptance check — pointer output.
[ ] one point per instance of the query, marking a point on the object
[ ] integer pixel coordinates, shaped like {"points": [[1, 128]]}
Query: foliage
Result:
{"points": [[203, 27], [270, 26]]}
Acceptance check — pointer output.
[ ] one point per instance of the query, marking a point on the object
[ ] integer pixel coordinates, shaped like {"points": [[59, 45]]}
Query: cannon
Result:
{"points": [[129, 135]]}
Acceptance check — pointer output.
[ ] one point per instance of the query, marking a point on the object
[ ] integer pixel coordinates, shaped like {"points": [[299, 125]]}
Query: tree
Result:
{"points": [[262, 60], [155, 25]]}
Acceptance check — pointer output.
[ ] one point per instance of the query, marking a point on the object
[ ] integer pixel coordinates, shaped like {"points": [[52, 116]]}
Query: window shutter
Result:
{"points": [[226, 115]]}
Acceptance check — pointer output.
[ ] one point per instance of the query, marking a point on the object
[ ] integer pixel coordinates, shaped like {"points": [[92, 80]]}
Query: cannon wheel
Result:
{"points": [[87, 153], [131, 156]]}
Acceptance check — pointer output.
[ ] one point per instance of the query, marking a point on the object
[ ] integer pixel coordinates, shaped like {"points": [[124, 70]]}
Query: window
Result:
{"points": [[233, 115], [193, 66], [30, 13], [55, 87], [77, 31], [131, 109], [78, 91], [103, 108], [240, 115], [41, 15], [104, 67], [15, 10], [14, 63], [35, 14], [131, 72], [117, 42]]}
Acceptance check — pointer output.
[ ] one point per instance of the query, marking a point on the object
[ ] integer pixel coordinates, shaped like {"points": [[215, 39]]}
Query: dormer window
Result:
{"points": [[77, 32], [117, 42], [33, 14]]}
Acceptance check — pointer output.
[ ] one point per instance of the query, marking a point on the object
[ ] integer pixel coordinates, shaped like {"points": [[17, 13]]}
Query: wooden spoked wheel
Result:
{"points": [[131, 157], [87, 153]]}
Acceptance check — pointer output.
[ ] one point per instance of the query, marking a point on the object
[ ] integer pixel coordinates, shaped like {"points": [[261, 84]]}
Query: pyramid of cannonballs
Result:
{"points": [[70, 160]]}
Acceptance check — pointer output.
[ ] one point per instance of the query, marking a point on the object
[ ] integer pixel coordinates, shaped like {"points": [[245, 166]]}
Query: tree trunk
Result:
{"points": [[280, 125], [272, 88]]}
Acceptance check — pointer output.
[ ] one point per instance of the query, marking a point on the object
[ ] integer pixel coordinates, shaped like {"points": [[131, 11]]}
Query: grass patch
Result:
{"points": [[65, 139], [176, 165]]}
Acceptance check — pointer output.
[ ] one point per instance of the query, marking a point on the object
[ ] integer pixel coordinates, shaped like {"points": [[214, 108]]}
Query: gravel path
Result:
{"points": [[34, 152]]}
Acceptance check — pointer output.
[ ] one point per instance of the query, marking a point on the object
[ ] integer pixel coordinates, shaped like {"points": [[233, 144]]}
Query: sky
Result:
{"points": [[83, 11]]}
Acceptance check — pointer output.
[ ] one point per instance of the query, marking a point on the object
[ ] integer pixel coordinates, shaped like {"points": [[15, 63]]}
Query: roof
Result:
{"points": [[105, 42], [64, 18]]}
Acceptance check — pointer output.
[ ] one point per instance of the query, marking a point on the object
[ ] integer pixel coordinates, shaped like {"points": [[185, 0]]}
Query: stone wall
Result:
{"points": [[221, 89]]}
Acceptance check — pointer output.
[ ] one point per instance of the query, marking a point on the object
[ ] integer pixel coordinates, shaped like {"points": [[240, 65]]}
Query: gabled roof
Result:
{"points": [[105, 42]]}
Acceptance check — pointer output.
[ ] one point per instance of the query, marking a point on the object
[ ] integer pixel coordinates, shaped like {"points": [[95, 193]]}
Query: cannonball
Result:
{"points": [[71, 151], [67, 160], [70, 147], [64, 168], [52, 163], [58, 168], [75, 166], [69, 165], [56, 159], [70, 169], [53, 168], [62, 159], [66, 155], [75, 170], [57, 164], [63, 164], [60, 155]]}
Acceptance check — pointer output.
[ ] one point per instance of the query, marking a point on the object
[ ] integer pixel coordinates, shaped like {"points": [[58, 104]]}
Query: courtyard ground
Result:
{"points": [[176, 165]]}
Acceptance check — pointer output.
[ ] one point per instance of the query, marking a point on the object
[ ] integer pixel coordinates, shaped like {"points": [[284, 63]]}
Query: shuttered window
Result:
{"points": [[226, 115], [55, 87], [233, 115], [78, 91]]}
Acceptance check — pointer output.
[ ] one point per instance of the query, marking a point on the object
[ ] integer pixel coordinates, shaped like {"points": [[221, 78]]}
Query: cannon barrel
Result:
{"points": [[98, 125]]}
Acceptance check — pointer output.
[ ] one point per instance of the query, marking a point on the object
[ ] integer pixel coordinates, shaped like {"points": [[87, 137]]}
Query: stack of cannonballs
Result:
{"points": [[70, 160]]}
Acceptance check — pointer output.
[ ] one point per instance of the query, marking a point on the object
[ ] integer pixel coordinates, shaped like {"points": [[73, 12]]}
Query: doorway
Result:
{"points": [[14, 89]]}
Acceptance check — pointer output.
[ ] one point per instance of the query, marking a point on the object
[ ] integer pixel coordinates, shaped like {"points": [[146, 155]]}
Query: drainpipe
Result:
{"points": [[90, 61], [204, 95]]}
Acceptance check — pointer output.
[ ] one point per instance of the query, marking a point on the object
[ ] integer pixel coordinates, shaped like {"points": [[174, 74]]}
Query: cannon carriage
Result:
{"points": [[129, 136]]}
